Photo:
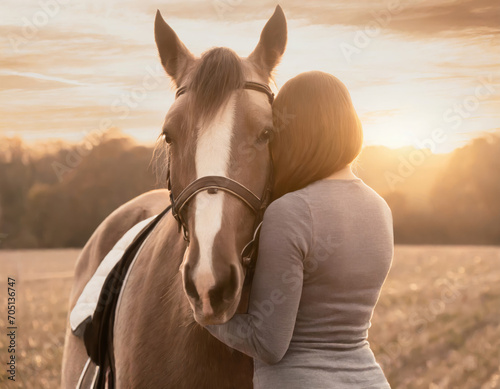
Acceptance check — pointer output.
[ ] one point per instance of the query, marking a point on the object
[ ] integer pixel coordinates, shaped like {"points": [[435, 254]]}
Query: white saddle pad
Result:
{"points": [[87, 302]]}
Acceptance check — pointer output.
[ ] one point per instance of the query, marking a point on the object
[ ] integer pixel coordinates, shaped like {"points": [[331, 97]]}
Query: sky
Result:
{"points": [[420, 72]]}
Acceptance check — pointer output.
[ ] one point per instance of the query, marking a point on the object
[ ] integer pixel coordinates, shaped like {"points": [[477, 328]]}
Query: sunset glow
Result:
{"points": [[412, 67]]}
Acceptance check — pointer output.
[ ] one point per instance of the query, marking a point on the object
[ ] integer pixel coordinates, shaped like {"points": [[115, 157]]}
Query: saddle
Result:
{"points": [[93, 318]]}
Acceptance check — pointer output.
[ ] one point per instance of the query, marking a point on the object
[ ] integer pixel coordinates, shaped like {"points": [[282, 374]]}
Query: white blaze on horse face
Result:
{"points": [[213, 151]]}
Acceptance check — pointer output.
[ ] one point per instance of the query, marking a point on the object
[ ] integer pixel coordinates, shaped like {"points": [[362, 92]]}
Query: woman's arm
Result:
{"points": [[266, 330]]}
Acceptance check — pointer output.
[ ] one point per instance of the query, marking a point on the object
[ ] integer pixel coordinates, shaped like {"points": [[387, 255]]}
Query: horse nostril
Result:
{"points": [[225, 289], [233, 279], [189, 284]]}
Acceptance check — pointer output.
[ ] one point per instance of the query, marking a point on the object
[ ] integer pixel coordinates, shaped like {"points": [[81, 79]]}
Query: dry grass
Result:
{"points": [[43, 284], [437, 324]]}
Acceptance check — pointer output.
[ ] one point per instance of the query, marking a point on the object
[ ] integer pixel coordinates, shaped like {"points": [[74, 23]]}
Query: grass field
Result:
{"points": [[437, 324]]}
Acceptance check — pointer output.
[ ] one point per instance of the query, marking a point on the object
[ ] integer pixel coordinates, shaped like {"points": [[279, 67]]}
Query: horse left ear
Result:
{"points": [[175, 57], [272, 42]]}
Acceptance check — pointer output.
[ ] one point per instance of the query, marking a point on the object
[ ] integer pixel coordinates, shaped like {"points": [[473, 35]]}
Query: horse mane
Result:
{"points": [[218, 73]]}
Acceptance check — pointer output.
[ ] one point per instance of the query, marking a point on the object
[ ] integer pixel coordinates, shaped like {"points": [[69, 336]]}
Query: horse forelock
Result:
{"points": [[218, 73]]}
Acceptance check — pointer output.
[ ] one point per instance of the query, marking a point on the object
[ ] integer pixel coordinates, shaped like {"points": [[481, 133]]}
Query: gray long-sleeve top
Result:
{"points": [[324, 253]]}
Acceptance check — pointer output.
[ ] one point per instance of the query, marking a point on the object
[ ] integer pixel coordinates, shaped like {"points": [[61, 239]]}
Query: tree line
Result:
{"points": [[56, 194]]}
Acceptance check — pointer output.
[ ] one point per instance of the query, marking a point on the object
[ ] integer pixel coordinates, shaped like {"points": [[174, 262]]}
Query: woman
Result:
{"points": [[325, 249]]}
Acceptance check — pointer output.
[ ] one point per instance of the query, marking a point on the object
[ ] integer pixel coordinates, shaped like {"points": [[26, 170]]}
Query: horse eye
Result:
{"points": [[167, 138], [265, 135]]}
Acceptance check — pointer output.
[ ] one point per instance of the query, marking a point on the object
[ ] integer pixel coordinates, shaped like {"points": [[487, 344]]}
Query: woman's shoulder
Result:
{"points": [[289, 219], [330, 194], [289, 211], [326, 194], [289, 202], [377, 199]]}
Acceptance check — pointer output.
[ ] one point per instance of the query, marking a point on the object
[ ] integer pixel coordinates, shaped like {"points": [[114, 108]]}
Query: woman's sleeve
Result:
{"points": [[266, 330]]}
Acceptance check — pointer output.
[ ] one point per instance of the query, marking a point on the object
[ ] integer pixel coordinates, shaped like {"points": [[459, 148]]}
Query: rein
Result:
{"points": [[212, 184]]}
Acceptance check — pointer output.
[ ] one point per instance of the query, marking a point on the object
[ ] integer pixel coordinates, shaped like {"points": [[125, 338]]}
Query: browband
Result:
{"points": [[256, 86]]}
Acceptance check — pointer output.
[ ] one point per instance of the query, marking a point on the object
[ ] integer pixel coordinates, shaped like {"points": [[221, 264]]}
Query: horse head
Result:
{"points": [[218, 126]]}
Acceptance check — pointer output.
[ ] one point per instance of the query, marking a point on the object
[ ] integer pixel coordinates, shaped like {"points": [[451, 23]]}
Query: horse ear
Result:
{"points": [[272, 42], [175, 57]]}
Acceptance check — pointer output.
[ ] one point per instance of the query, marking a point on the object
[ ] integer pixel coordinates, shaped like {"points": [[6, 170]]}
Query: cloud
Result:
{"points": [[376, 115], [469, 17], [42, 77], [70, 73], [425, 19]]}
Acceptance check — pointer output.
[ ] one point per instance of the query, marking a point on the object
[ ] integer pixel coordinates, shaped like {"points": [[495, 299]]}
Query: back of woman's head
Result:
{"points": [[316, 131]]}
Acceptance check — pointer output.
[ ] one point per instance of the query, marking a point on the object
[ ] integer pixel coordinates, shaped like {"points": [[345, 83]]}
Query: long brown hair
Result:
{"points": [[316, 131]]}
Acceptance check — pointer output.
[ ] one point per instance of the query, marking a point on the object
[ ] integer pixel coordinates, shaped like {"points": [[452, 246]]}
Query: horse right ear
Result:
{"points": [[175, 57], [272, 42]]}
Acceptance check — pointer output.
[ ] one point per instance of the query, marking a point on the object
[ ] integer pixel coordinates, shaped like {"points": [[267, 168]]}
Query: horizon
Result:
{"points": [[117, 133], [61, 77]]}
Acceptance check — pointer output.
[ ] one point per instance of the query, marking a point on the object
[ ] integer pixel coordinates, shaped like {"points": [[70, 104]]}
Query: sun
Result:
{"points": [[396, 131]]}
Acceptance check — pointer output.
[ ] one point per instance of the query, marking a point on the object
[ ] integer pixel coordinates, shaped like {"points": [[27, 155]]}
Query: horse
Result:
{"points": [[189, 272]]}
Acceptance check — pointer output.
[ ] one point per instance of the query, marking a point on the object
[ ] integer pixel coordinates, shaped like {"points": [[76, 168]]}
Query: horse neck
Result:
{"points": [[155, 322]]}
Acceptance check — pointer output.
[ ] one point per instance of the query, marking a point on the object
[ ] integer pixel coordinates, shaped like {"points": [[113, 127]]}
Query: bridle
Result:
{"points": [[212, 184]]}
